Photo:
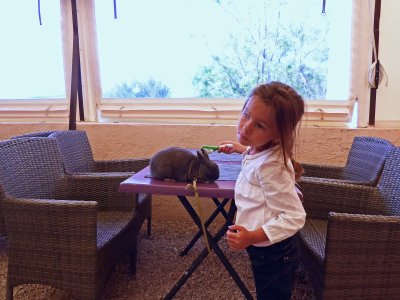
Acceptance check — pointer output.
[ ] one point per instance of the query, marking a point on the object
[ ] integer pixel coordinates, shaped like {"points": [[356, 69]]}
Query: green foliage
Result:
{"points": [[273, 47], [137, 89]]}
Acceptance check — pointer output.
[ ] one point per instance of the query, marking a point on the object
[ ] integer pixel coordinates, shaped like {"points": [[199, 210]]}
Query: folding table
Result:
{"points": [[221, 189]]}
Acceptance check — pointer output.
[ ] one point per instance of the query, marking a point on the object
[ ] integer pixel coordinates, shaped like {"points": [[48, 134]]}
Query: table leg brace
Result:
{"points": [[214, 245]]}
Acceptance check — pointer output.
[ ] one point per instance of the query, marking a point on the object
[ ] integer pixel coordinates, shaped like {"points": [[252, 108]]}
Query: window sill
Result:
{"points": [[210, 111], [170, 111], [22, 110]]}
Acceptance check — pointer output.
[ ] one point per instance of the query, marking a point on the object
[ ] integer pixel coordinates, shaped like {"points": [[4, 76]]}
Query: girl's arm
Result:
{"points": [[237, 147]]}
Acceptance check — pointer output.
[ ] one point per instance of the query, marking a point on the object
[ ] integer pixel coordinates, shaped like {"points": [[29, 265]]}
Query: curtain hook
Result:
{"points": [[40, 15], [323, 8], [115, 9]]}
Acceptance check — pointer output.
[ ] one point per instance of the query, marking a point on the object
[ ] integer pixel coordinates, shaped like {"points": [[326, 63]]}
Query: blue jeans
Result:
{"points": [[273, 268]]}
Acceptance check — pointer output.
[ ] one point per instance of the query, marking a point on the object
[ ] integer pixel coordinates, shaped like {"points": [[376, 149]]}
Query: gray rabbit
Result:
{"points": [[180, 164]]}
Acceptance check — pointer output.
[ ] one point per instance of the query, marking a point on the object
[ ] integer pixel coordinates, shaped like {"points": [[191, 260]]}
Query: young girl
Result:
{"points": [[269, 211]]}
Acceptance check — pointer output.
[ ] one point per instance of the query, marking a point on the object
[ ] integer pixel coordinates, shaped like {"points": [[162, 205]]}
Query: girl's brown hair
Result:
{"points": [[288, 106]]}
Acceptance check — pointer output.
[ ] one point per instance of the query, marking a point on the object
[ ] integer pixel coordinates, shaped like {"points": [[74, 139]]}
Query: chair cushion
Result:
{"points": [[313, 236], [313, 241], [110, 224], [116, 236]]}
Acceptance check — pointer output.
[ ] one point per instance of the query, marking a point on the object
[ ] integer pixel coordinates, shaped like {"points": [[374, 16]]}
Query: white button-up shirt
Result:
{"points": [[265, 196]]}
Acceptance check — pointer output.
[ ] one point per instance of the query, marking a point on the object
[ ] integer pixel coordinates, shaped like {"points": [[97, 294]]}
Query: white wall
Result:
{"points": [[388, 97]]}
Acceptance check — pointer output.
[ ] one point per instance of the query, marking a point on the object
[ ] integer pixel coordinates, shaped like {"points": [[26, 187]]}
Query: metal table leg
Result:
{"points": [[214, 246], [219, 209]]}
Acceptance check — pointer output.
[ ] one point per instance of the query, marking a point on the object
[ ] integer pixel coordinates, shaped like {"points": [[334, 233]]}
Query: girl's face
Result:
{"points": [[256, 126]]}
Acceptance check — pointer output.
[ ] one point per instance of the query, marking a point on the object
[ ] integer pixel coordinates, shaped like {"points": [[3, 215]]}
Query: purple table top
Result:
{"points": [[141, 183], [222, 157], [224, 187]]}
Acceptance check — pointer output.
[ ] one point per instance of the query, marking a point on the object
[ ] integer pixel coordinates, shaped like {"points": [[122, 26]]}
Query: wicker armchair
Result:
{"points": [[351, 238], [77, 156], [35, 134], [67, 231], [364, 163]]}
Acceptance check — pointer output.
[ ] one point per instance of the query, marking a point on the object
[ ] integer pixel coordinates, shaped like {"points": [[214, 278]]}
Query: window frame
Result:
{"points": [[178, 111]]}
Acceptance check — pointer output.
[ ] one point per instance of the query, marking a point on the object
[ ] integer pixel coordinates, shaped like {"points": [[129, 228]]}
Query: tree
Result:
{"points": [[137, 89], [274, 46]]}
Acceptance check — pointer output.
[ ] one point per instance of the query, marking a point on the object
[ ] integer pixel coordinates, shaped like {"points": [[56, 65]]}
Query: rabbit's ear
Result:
{"points": [[203, 157]]}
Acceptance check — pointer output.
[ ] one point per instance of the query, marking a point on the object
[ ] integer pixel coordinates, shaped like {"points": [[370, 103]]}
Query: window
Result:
{"points": [[31, 56], [200, 56], [184, 61], [222, 49]]}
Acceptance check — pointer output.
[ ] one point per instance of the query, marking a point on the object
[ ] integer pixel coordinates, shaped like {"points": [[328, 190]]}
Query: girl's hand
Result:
{"points": [[238, 237], [236, 147]]}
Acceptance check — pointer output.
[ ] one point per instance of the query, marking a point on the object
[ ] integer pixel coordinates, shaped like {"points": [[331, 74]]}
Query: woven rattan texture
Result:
{"points": [[35, 134], [67, 231], [160, 266], [77, 157], [351, 239], [364, 163]]}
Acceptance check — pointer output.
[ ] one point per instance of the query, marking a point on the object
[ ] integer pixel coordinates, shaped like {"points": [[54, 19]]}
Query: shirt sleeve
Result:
{"points": [[282, 200]]}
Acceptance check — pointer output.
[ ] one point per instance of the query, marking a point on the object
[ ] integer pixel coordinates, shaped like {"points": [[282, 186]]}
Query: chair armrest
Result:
{"points": [[100, 187], [343, 181], [322, 196], [322, 171], [362, 251], [122, 165], [120, 175], [50, 226]]}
